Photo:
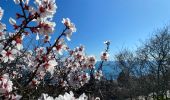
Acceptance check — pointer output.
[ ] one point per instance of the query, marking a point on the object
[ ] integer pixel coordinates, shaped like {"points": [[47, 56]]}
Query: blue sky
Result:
{"points": [[124, 22]]}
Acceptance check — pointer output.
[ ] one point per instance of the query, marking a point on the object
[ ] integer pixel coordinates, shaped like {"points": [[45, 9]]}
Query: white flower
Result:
{"points": [[84, 78], [98, 74], [60, 46], [69, 33], [5, 84], [8, 55], [70, 28], [51, 9], [1, 13], [66, 22], [46, 8], [18, 43], [69, 96], [49, 66], [46, 27], [40, 51], [104, 56], [91, 60], [66, 96], [12, 21], [12, 34]]}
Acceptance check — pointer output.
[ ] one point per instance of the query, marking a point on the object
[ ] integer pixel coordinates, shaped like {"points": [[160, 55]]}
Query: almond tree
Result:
{"points": [[29, 69]]}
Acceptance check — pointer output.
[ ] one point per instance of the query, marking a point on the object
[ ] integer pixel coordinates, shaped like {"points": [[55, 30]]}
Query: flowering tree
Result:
{"points": [[26, 73]]}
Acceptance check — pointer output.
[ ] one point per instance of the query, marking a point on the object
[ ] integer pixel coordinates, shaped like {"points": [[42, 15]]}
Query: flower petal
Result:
{"points": [[12, 21], [37, 37]]}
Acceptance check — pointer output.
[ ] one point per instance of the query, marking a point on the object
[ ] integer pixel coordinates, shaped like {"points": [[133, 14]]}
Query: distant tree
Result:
{"points": [[125, 60], [147, 69], [157, 53]]}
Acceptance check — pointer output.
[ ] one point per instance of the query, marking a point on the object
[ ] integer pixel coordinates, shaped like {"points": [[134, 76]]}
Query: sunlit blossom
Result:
{"points": [[49, 65], [8, 55], [104, 56], [46, 8], [18, 43], [46, 27], [70, 28]]}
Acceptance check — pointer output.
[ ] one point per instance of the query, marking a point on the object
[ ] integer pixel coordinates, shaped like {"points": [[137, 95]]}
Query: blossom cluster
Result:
{"points": [[43, 63], [66, 96], [6, 87], [5, 84]]}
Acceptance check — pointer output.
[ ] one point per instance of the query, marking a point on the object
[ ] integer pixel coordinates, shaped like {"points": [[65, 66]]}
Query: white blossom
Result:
{"points": [[69, 33], [5, 84], [66, 96], [60, 47], [18, 43], [98, 74], [104, 56], [46, 27], [46, 8], [91, 60], [74, 64], [66, 22], [70, 28], [49, 65], [8, 55]]}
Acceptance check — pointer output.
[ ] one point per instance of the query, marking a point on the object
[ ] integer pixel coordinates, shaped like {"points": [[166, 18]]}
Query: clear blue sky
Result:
{"points": [[124, 22]]}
